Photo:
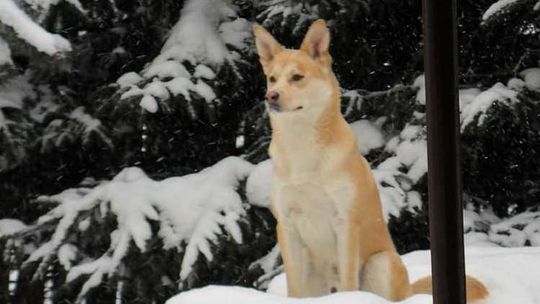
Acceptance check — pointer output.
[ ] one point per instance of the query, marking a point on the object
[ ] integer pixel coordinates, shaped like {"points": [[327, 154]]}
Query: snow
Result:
{"points": [[369, 135], [15, 90], [157, 89], [411, 152], [89, 125], [10, 226], [396, 175], [483, 102], [531, 77], [259, 184], [497, 7], [235, 33], [207, 35], [510, 274], [466, 96], [517, 230], [194, 209], [52, 44], [131, 92], [67, 253], [43, 6], [516, 84], [12, 95], [196, 33], [169, 68], [5, 53], [270, 265], [241, 295], [305, 12], [180, 86], [475, 103], [203, 71], [420, 84], [129, 79], [205, 91]]}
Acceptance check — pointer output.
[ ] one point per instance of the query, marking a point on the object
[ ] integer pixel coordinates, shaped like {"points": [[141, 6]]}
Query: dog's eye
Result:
{"points": [[272, 79], [297, 77]]}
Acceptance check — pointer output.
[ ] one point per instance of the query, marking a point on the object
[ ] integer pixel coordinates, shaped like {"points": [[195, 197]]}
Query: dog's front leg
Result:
{"points": [[293, 254], [349, 259]]}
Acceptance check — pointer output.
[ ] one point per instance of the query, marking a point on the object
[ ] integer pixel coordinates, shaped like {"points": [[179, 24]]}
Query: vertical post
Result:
{"points": [[444, 186]]}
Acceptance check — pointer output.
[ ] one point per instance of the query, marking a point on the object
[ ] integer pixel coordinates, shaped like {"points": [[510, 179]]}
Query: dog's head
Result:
{"points": [[299, 82]]}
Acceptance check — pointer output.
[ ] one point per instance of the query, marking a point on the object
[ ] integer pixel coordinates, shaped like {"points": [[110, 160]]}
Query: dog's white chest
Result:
{"points": [[311, 211]]}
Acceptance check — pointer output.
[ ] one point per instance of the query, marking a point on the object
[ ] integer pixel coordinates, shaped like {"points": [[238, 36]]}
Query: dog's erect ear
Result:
{"points": [[267, 46], [317, 40]]}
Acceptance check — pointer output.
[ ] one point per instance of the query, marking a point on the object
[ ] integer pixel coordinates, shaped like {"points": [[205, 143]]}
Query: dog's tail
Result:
{"points": [[475, 289]]}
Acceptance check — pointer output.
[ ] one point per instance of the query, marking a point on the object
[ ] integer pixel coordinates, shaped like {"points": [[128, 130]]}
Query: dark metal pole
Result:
{"points": [[444, 186]]}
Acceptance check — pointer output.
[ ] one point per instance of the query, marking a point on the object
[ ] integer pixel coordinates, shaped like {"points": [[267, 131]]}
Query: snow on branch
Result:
{"points": [[474, 103], [26, 29], [283, 9], [207, 35], [192, 210], [497, 7], [5, 53]]}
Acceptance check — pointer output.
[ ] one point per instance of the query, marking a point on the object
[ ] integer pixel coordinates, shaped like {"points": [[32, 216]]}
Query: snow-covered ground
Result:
{"points": [[510, 274]]}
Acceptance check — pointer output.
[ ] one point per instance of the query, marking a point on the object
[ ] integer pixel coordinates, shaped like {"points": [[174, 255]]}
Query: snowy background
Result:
{"points": [[133, 138]]}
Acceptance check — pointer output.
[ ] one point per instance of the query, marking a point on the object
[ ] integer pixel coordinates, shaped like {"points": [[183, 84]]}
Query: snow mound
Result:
{"points": [[193, 209], [483, 102], [510, 274], [531, 77], [10, 226], [52, 44], [242, 295], [207, 35], [486, 229], [496, 8], [369, 135], [517, 231]]}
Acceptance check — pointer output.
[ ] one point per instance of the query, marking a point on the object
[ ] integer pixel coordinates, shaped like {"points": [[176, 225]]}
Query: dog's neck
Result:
{"points": [[321, 127], [302, 149]]}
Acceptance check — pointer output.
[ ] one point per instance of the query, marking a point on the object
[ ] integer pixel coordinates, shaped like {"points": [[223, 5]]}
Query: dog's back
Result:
{"points": [[330, 228]]}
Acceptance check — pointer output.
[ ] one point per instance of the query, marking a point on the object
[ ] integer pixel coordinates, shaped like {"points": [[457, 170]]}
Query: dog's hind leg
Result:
{"points": [[385, 275]]}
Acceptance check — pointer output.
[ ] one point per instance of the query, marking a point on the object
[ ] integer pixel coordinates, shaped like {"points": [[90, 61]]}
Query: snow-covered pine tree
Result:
{"points": [[500, 56], [52, 137], [37, 114], [155, 237], [172, 107], [188, 101]]}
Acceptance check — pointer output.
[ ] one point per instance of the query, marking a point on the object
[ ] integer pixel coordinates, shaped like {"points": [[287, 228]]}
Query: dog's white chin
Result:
{"points": [[295, 110]]}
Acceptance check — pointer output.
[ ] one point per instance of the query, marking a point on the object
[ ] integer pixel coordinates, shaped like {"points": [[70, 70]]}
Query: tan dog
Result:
{"points": [[330, 225]]}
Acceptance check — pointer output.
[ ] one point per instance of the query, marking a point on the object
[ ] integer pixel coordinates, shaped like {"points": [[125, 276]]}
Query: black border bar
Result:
{"points": [[444, 180]]}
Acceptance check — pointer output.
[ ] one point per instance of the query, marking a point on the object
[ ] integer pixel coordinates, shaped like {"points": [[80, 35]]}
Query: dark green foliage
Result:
{"points": [[498, 48], [377, 53], [410, 231], [231, 261], [501, 158]]}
